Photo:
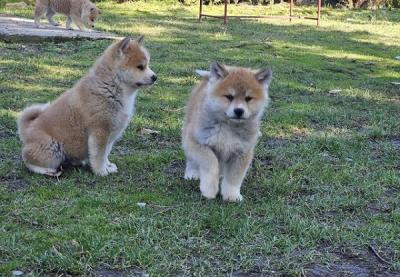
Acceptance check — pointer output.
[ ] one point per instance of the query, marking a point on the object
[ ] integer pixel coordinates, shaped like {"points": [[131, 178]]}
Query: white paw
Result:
{"points": [[209, 192], [192, 174], [111, 167], [232, 197], [106, 169]]}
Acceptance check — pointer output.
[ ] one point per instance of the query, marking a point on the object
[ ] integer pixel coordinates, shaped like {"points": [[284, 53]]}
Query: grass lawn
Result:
{"points": [[323, 192]]}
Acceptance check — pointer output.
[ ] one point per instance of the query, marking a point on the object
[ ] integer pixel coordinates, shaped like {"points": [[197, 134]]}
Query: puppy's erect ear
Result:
{"points": [[140, 39], [218, 71], [264, 77], [124, 45], [203, 73]]}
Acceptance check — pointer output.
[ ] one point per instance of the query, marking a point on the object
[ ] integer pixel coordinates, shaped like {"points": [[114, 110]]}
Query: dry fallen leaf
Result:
{"points": [[334, 91], [17, 273], [145, 131]]}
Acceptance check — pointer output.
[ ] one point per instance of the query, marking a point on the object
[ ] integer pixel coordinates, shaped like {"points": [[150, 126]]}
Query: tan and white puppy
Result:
{"points": [[84, 122], [82, 12], [222, 126]]}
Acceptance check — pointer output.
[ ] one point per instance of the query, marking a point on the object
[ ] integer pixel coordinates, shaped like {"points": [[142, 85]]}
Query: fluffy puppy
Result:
{"points": [[222, 126], [81, 12], [84, 122]]}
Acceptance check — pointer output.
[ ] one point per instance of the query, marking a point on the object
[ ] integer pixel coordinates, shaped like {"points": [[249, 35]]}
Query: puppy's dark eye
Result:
{"points": [[248, 98], [140, 67], [229, 97]]}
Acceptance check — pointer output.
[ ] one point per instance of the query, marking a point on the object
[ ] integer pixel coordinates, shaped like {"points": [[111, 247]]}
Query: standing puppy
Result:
{"points": [[85, 121], [81, 12], [222, 126]]}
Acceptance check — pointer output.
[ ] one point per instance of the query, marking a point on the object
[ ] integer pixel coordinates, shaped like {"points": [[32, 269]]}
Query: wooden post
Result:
{"points": [[225, 11], [319, 11], [201, 10], [290, 10]]}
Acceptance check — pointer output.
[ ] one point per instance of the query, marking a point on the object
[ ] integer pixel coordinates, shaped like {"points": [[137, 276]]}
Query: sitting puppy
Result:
{"points": [[85, 121], [222, 126], [81, 12]]}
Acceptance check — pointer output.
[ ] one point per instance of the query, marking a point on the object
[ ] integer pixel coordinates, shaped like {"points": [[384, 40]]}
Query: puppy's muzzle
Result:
{"points": [[238, 112]]}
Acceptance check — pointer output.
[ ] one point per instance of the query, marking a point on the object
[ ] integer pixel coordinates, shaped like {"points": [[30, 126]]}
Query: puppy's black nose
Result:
{"points": [[238, 112], [154, 78]]}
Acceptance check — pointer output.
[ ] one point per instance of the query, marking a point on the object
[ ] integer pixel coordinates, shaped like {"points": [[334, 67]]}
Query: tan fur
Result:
{"points": [[81, 12], [84, 122], [222, 126]]}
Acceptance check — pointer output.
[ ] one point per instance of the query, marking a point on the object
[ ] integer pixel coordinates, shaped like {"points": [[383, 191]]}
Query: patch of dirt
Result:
{"points": [[338, 270], [4, 134], [12, 179], [106, 272], [14, 183], [277, 142], [352, 262], [385, 204], [396, 143], [175, 168]]}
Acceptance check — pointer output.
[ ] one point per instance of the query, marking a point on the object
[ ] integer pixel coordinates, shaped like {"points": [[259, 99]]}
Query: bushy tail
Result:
{"points": [[27, 116]]}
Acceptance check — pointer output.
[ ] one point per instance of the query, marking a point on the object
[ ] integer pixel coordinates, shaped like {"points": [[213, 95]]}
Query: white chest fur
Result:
{"points": [[124, 116], [226, 140]]}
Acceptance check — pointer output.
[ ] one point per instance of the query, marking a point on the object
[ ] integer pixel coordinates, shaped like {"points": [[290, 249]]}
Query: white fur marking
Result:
{"points": [[203, 73]]}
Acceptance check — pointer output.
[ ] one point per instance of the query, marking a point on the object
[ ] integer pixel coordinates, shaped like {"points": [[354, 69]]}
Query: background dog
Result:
{"points": [[81, 12], [85, 121]]}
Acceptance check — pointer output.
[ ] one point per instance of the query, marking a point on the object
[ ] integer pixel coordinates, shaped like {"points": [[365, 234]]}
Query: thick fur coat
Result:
{"points": [[222, 126], [84, 122], [81, 12]]}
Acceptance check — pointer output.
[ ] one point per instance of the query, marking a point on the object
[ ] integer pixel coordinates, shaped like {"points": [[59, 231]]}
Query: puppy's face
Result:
{"points": [[237, 94], [134, 67], [89, 15]]}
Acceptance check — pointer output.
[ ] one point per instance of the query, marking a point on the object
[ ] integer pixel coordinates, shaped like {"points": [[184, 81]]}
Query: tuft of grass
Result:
{"points": [[323, 187]]}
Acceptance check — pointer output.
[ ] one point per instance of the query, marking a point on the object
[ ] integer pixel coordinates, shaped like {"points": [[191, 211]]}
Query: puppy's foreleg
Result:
{"points": [[192, 170], [234, 173], [111, 166], [208, 168], [50, 13], [40, 9], [99, 148], [78, 22]]}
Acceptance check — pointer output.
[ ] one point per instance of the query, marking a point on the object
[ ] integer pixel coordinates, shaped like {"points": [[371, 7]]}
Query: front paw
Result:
{"points": [[192, 174], [231, 195], [209, 192], [106, 169], [111, 167], [233, 198]]}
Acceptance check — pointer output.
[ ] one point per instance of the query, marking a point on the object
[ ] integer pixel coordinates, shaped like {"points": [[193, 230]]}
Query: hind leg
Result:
{"points": [[43, 157], [50, 13], [40, 9], [78, 22]]}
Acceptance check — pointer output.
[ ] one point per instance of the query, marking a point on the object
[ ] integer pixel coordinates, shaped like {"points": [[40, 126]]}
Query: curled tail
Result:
{"points": [[27, 116]]}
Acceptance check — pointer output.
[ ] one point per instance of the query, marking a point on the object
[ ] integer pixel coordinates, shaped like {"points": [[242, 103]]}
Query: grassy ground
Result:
{"points": [[323, 192]]}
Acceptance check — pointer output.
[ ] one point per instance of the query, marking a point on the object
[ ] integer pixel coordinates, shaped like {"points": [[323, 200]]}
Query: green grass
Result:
{"points": [[323, 187]]}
